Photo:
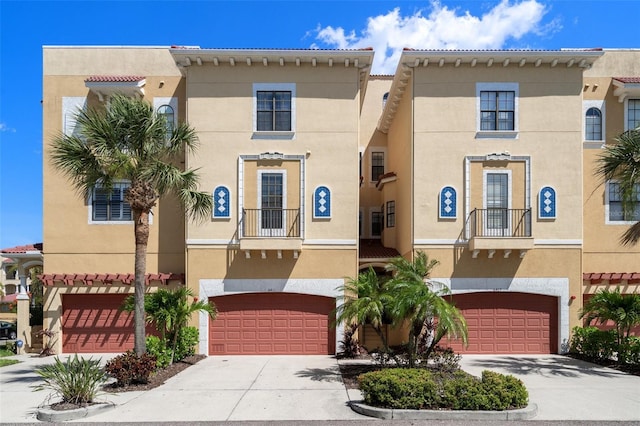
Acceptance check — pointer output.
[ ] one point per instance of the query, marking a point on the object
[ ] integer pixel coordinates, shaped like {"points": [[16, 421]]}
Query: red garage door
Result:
{"points": [[272, 323], [92, 323], [509, 323]]}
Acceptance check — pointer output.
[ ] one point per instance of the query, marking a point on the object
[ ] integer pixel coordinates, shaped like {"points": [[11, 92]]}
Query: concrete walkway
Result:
{"points": [[287, 388]]}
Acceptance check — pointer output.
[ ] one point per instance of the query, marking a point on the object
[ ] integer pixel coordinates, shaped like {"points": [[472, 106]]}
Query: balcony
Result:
{"points": [[270, 229], [499, 229]]}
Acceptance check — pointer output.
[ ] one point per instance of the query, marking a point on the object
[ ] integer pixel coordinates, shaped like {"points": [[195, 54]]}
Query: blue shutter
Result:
{"points": [[221, 202], [448, 199], [322, 202], [547, 203]]}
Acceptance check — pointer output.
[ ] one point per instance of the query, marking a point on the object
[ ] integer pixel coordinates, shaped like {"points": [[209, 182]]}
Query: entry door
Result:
{"points": [[496, 218], [272, 204]]}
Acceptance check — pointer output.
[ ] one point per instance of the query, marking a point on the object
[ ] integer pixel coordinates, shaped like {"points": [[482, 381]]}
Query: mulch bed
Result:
{"points": [[159, 377]]}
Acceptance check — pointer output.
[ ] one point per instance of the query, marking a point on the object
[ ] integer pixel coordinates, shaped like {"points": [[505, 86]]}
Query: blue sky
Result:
{"points": [[387, 26]]}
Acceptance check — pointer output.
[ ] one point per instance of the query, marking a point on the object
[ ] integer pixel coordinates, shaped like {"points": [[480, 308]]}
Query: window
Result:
{"points": [[274, 111], [384, 99], [377, 165], [391, 214], [376, 224], [497, 110], [616, 211], [593, 125], [110, 206], [167, 112], [633, 114]]}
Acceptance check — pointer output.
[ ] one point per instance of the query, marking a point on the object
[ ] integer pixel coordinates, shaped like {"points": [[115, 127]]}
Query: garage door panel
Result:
{"points": [[508, 323], [286, 323]]}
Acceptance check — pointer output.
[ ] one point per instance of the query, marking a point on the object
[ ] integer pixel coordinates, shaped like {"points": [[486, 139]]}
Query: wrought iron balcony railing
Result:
{"points": [[270, 223], [500, 223]]}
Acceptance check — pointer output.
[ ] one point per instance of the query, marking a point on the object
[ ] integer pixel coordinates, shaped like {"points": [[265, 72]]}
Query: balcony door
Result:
{"points": [[496, 217], [272, 202]]}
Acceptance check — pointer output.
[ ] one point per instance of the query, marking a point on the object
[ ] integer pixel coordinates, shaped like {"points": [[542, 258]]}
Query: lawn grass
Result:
{"points": [[5, 353]]}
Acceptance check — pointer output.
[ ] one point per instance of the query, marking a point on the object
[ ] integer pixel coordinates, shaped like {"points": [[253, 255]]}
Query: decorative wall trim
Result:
{"points": [[322, 203], [328, 242], [221, 202], [448, 202], [547, 203]]}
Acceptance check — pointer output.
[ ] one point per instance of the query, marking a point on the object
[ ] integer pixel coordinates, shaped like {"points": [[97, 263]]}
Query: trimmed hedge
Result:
{"points": [[422, 389]]}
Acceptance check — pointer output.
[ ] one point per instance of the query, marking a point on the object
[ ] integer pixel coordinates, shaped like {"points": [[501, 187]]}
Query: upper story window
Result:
{"points": [[633, 114], [593, 125], [167, 112], [497, 109], [616, 211], [110, 206], [384, 99], [274, 109], [377, 165], [391, 214], [377, 220]]}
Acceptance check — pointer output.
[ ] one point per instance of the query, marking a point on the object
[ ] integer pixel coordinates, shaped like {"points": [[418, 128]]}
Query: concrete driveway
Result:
{"points": [[566, 388], [280, 388]]}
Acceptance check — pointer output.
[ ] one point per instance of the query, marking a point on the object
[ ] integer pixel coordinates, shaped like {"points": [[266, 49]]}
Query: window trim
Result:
{"points": [[498, 87], [586, 106], [373, 150], [607, 202], [90, 219], [626, 112], [270, 135], [390, 216]]}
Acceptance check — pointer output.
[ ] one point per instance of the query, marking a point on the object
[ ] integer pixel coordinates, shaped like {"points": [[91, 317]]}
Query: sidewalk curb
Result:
{"points": [[527, 413], [55, 416]]}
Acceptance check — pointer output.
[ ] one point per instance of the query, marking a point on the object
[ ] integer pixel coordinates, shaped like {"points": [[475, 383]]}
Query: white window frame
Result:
{"points": [[283, 172], [485, 174], [586, 105], [110, 222], [626, 112], [608, 221], [172, 102], [498, 87], [71, 105], [285, 87]]}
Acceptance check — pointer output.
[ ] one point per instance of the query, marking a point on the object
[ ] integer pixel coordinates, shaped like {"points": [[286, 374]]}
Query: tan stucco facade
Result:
{"points": [[423, 127]]}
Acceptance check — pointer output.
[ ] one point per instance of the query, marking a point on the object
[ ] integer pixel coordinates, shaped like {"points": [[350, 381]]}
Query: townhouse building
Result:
{"points": [[319, 169]]}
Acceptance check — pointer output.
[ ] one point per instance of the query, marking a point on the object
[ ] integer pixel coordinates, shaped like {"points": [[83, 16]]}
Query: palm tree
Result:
{"points": [[621, 162], [419, 301], [128, 141], [365, 300], [170, 311], [622, 309]]}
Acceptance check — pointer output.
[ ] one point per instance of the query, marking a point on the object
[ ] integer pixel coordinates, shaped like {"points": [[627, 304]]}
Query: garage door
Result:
{"points": [[92, 323], [272, 323], [509, 323]]}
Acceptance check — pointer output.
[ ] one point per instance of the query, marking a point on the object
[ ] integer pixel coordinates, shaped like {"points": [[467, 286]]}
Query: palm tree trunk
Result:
{"points": [[141, 229]]}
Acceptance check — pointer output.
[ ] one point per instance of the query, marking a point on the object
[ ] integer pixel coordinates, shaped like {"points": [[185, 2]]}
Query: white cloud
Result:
{"points": [[442, 28], [5, 128]]}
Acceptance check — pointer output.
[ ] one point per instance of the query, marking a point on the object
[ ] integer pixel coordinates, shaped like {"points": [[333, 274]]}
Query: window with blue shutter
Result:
{"points": [[547, 203], [221, 202], [448, 199], [322, 202]]}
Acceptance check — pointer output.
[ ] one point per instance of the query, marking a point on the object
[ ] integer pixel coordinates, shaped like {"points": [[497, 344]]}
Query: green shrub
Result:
{"points": [[593, 343], [186, 344], [77, 380], [129, 368], [157, 348], [399, 388], [629, 351], [423, 389]]}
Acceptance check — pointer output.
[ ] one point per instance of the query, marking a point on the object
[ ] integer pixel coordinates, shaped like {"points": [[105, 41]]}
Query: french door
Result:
{"points": [[496, 217], [272, 202]]}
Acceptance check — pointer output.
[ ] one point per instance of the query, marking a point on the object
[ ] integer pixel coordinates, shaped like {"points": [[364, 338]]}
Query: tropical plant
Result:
{"points": [[77, 380], [621, 161], [365, 300], [611, 305], [418, 301], [170, 311], [131, 368], [128, 141]]}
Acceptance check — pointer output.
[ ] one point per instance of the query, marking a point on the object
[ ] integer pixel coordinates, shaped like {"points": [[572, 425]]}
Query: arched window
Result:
{"points": [[167, 112], [384, 99], [593, 125]]}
